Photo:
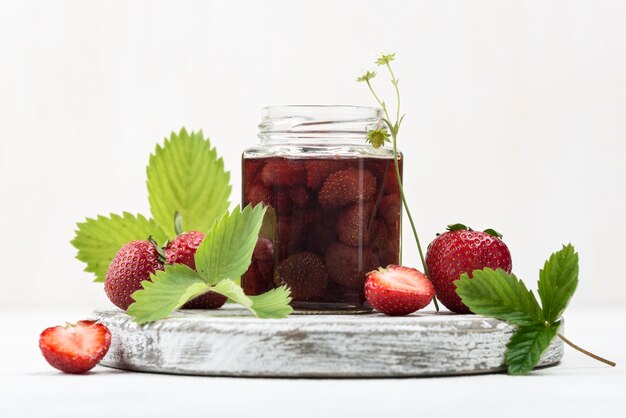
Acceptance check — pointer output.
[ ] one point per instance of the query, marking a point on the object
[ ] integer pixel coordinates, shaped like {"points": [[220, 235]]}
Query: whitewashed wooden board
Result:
{"points": [[230, 342]]}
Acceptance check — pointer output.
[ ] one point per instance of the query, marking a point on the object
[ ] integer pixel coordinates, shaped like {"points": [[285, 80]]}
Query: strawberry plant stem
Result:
{"points": [[394, 135], [582, 350]]}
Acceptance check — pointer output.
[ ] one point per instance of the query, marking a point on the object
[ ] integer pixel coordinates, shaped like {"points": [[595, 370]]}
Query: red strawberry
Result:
{"points": [[132, 264], [347, 265], [283, 172], [317, 171], [398, 290], [461, 250], [353, 224], [347, 186], [208, 300], [182, 250], [305, 274], [75, 348]]}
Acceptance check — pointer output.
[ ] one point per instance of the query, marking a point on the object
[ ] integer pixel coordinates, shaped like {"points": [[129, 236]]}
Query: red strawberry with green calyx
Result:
{"points": [[463, 250], [132, 264]]}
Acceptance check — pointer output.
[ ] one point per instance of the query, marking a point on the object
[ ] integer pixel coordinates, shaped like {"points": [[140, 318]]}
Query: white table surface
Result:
{"points": [[579, 386]]}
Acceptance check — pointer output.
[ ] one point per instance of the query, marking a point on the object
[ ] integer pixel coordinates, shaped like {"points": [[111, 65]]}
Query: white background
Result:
{"points": [[516, 117]]}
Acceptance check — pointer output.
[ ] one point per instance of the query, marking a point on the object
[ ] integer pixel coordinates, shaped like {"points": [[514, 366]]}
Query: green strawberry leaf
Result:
{"points": [[558, 281], [526, 346], [232, 291], [500, 295], [272, 304], [221, 259], [98, 240], [227, 248], [169, 290], [186, 176]]}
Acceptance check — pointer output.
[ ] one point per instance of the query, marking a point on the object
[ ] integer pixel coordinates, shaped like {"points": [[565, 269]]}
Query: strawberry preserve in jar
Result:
{"points": [[334, 208]]}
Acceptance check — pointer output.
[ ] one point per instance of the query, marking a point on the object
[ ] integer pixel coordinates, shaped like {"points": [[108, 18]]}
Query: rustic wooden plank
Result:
{"points": [[230, 342]]}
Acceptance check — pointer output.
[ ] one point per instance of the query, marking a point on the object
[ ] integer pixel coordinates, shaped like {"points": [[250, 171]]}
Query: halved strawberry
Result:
{"points": [[398, 290], [75, 348]]}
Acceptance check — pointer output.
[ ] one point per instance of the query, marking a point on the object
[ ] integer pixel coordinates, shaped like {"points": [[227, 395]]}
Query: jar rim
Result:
{"points": [[318, 122], [372, 109]]}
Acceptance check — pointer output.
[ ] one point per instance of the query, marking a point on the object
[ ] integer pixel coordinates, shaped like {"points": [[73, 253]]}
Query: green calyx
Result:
{"points": [[493, 232], [159, 248], [458, 227], [461, 227]]}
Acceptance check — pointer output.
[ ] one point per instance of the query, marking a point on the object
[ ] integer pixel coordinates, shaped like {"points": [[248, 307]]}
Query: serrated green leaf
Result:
{"points": [[233, 291], [98, 240], [500, 295], [185, 175], [272, 304], [558, 281], [526, 346], [227, 248], [169, 290]]}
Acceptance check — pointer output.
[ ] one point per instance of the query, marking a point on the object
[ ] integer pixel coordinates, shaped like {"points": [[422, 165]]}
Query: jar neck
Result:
{"points": [[318, 125]]}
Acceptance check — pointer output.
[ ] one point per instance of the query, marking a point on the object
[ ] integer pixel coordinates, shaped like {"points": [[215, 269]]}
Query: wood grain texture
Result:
{"points": [[230, 342]]}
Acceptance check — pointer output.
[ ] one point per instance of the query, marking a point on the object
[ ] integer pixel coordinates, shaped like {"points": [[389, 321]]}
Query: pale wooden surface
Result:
{"points": [[577, 387], [231, 342]]}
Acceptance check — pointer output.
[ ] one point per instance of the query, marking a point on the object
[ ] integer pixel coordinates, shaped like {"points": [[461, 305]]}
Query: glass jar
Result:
{"points": [[334, 206]]}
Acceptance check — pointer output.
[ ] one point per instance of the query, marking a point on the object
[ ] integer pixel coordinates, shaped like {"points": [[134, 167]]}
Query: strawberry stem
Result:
{"points": [[394, 136], [588, 353], [408, 212]]}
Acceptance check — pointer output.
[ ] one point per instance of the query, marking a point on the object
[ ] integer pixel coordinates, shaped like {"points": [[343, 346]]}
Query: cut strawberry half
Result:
{"points": [[75, 348], [398, 290]]}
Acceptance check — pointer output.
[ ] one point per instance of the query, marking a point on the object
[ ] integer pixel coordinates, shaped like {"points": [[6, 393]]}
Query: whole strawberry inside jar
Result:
{"points": [[334, 208]]}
